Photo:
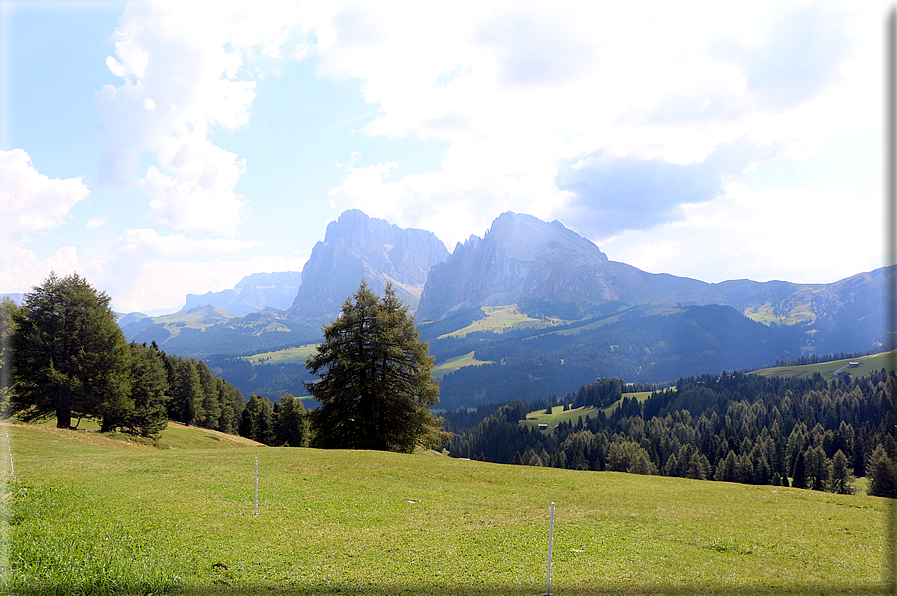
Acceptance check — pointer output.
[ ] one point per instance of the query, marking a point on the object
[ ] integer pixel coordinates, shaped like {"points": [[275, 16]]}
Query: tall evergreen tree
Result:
{"points": [[375, 384], [149, 391], [70, 358], [882, 473], [290, 424], [8, 311], [841, 477]]}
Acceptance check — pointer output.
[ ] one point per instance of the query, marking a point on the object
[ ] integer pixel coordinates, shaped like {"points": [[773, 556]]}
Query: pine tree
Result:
{"points": [[841, 477], [799, 476], [375, 384], [290, 425], [70, 358], [8, 312], [882, 474], [149, 391]]}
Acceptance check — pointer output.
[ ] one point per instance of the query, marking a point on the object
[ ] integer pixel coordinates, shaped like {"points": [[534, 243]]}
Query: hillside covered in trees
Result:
{"points": [[735, 428]]}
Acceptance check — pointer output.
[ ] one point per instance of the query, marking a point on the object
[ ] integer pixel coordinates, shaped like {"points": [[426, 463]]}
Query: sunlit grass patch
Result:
{"points": [[102, 519]]}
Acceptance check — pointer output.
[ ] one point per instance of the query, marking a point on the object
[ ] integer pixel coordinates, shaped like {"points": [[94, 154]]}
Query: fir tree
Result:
{"points": [[375, 384], [70, 358]]}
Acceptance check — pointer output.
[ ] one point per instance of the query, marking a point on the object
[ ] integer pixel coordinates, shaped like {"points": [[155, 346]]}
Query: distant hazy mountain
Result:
{"points": [[576, 315], [522, 258], [254, 292], [357, 246], [548, 269], [204, 330]]}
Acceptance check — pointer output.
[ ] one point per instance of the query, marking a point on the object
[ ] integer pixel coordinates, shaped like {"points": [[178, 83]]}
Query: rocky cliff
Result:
{"points": [[357, 246]]}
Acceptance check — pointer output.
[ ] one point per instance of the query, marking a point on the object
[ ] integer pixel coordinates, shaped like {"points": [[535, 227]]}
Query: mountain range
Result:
{"points": [[530, 307]]}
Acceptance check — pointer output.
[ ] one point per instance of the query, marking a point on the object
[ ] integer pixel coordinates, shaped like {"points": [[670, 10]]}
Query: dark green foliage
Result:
{"points": [[282, 424], [149, 392], [290, 422], [729, 427], [841, 476], [375, 385], [209, 407], [799, 479], [882, 473], [259, 412], [818, 468], [186, 391], [8, 311], [70, 358]]}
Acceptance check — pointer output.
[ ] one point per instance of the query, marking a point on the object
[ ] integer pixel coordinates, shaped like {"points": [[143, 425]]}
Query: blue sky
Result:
{"points": [[166, 148]]}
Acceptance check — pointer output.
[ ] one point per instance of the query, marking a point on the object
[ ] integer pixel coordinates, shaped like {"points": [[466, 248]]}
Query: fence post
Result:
{"points": [[12, 470], [256, 512], [550, 541]]}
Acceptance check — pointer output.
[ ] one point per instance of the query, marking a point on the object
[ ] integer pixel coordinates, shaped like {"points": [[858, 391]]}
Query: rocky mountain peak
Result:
{"points": [[358, 246]]}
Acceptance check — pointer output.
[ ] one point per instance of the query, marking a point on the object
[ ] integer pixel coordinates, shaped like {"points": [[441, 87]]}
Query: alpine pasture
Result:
{"points": [[88, 514]]}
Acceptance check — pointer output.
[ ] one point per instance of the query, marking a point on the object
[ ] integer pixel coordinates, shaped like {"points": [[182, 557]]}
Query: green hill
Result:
{"points": [[101, 519], [866, 364]]}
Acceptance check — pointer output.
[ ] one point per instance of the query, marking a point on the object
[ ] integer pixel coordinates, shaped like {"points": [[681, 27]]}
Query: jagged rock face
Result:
{"points": [[357, 246], [253, 293], [523, 257]]}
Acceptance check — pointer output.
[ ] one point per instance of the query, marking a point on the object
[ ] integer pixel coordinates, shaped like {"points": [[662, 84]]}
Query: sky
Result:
{"points": [[166, 148]]}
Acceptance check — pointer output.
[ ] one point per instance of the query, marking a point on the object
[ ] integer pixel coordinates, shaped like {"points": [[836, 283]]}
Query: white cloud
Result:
{"points": [[517, 89], [139, 283], [31, 201], [794, 234], [199, 195], [181, 64], [145, 241], [21, 269], [95, 222]]}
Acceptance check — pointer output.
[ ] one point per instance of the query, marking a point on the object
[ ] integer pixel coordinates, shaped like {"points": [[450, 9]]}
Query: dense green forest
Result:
{"points": [[650, 349], [729, 427], [531, 363]]}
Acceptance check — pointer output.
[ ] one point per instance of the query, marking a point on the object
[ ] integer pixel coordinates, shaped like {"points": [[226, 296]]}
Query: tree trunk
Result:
{"points": [[64, 417]]}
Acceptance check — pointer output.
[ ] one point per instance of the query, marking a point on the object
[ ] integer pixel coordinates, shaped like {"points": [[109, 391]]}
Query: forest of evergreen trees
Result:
{"points": [[809, 433]]}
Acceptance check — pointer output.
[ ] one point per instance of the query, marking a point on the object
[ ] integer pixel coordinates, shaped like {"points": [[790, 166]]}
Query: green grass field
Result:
{"points": [[88, 515], [867, 364], [503, 318], [453, 364], [558, 414], [289, 355]]}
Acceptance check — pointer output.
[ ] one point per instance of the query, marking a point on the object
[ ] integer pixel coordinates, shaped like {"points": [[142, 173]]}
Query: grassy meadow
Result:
{"points": [[499, 319], [867, 364], [573, 415], [87, 514]]}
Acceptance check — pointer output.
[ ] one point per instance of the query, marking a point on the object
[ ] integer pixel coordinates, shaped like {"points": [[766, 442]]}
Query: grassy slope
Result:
{"points": [[289, 355], [499, 319], [453, 364], [98, 517], [558, 414], [867, 364]]}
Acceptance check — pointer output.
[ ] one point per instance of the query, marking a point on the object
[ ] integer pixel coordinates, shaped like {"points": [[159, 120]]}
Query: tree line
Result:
{"points": [[69, 359], [807, 433]]}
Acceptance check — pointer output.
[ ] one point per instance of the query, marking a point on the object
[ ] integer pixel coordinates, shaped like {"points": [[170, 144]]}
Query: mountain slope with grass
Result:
{"points": [[181, 520]]}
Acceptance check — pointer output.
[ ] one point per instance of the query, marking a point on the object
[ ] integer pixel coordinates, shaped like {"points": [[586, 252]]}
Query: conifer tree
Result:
{"points": [[799, 476], [290, 425], [841, 477], [70, 358], [375, 384], [149, 392], [882, 474]]}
